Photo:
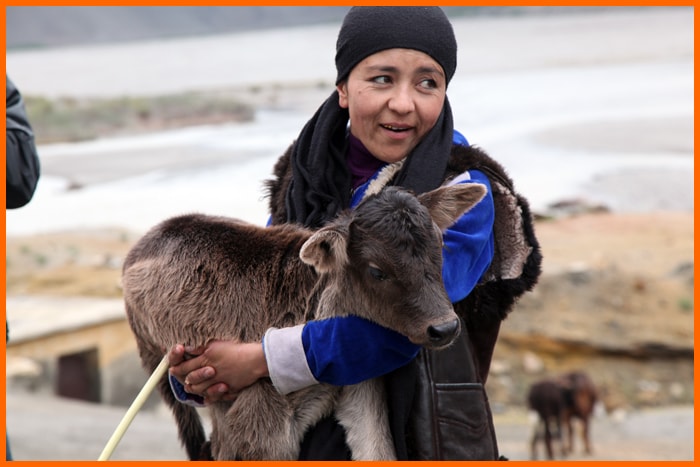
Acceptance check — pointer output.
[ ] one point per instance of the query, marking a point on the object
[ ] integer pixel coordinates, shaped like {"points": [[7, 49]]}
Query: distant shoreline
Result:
{"points": [[70, 120], [25, 29], [306, 55]]}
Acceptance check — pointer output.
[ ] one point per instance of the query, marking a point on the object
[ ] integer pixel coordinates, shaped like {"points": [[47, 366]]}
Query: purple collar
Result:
{"points": [[361, 163]]}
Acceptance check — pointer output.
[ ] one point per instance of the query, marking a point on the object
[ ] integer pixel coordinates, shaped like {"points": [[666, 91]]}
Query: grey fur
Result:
{"points": [[196, 278]]}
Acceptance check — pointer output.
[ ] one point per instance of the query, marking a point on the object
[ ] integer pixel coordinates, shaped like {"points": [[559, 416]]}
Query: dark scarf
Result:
{"points": [[321, 181]]}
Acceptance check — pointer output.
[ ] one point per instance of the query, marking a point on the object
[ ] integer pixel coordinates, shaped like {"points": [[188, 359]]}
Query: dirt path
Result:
{"points": [[649, 434], [79, 431]]}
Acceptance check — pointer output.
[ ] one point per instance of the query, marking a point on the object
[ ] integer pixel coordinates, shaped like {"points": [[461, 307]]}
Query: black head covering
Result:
{"points": [[368, 30], [321, 182]]}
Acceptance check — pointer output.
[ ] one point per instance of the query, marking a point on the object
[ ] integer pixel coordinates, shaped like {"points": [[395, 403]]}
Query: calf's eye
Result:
{"points": [[377, 273]]}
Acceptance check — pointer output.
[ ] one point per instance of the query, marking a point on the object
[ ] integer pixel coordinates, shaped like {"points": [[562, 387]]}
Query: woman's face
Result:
{"points": [[394, 97]]}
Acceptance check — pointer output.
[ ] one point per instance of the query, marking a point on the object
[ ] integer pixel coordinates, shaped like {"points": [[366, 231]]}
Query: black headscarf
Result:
{"points": [[321, 181], [368, 30]]}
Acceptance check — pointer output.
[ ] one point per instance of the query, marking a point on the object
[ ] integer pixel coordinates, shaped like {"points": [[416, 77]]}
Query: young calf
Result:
{"points": [[580, 397], [195, 278], [547, 400], [557, 402]]}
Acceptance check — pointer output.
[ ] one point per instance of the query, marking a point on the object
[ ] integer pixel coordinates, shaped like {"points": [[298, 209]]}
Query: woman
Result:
{"points": [[389, 122]]}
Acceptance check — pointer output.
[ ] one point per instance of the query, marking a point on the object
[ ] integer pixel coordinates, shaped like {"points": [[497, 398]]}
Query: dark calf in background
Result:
{"points": [[580, 396], [557, 401], [547, 399]]}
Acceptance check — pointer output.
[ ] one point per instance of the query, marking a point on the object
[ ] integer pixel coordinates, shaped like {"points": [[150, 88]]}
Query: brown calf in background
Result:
{"points": [[547, 400], [557, 401], [580, 396]]}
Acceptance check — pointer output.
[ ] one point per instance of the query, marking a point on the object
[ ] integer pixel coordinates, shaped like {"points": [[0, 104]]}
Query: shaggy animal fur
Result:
{"points": [[195, 278]]}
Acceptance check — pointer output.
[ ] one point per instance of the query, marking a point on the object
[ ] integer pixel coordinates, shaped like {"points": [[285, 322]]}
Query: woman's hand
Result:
{"points": [[219, 370]]}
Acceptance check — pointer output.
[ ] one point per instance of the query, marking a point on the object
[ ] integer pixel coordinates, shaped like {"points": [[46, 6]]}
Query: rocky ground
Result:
{"points": [[79, 431]]}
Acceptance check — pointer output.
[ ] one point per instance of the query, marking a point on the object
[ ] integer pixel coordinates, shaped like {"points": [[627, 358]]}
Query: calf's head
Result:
{"points": [[383, 261]]}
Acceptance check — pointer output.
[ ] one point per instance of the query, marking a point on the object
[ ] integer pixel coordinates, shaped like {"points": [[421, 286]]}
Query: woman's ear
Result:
{"points": [[343, 93]]}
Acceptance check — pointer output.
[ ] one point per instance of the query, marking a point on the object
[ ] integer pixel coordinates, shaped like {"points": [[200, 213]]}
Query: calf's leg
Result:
{"points": [[256, 426], [364, 416]]}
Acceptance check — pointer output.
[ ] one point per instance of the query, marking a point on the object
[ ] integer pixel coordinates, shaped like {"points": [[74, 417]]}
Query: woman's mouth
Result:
{"points": [[395, 128]]}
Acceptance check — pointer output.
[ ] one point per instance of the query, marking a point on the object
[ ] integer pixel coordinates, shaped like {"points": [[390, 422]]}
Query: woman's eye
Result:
{"points": [[428, 84], [377, 273], [381, 79]]}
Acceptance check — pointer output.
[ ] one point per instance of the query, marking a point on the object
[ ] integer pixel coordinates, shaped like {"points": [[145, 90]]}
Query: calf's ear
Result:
{"points": [[325, 250], [448, 203]]}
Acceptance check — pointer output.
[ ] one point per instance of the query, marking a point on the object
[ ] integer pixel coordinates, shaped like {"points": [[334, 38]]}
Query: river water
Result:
{"points": [[592, 106]]}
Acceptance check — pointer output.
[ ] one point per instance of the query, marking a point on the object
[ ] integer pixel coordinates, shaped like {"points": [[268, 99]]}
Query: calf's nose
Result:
{"points": [[443, 333]]}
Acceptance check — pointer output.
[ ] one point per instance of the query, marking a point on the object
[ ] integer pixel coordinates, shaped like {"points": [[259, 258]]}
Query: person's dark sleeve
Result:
{"points": [[21, 157]]}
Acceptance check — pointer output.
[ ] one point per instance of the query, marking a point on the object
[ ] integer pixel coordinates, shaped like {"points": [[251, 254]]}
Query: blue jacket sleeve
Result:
{"points": [[351, 349]]}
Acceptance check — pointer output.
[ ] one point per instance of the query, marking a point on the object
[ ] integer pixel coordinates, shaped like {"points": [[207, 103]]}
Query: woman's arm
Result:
{"points": [[338, 351]]}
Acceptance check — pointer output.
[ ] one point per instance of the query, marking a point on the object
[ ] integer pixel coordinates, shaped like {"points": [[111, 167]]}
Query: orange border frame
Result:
{"points": [[326, 3]]}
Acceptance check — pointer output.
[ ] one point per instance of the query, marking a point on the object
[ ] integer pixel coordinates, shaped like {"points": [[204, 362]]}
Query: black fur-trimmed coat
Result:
{"points": [[437, 404]]}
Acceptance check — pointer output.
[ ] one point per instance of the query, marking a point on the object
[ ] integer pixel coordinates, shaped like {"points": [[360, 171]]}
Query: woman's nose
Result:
{"points": [[401, 101]]}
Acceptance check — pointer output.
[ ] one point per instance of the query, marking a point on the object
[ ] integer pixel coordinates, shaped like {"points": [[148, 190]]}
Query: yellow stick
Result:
{"points": [[135, 407]]}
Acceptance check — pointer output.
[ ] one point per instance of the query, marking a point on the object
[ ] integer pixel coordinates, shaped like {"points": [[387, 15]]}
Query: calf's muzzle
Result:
{"points": [[443, 333]]}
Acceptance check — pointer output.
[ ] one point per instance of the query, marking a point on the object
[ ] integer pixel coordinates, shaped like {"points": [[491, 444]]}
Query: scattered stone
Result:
{"points": [[676, 390], [532, 363], [499, 367]]}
